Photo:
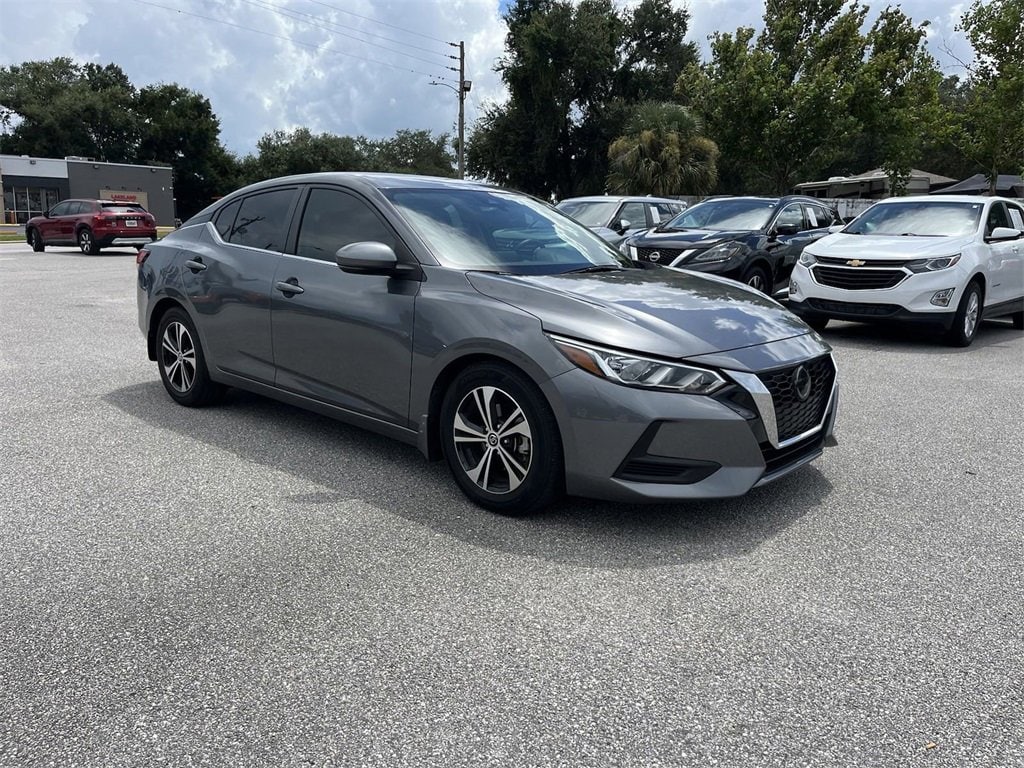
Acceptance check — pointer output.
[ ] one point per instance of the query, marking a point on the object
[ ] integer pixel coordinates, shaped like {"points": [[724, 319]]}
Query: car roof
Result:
{"points": [[378, 180], [947, 199], [620, 198]]}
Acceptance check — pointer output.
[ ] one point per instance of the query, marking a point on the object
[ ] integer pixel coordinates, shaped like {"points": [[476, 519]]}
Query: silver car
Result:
{"points": [[486, 328]]}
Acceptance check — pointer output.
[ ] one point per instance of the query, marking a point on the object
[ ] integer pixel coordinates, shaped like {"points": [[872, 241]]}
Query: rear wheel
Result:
{"points": [[36, 241], [87, 243], [756, 278], [967, 318], [501, 440], [182, 365]]}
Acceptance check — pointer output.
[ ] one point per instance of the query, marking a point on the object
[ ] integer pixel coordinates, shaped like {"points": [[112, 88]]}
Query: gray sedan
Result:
{"points": [[488, 329]]}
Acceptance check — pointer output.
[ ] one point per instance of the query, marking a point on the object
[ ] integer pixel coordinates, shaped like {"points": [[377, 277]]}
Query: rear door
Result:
{"points": [[345, 339], [228, 278]]}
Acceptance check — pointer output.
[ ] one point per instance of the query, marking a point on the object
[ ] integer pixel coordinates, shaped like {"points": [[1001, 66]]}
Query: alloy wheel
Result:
{"points": [[85, 241], [178, 357], [756, 282], [493, 440], [971, 315]]}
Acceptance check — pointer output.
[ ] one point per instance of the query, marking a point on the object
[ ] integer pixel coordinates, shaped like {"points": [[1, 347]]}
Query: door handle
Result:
{"points": [[196, 265], [289, 287]]}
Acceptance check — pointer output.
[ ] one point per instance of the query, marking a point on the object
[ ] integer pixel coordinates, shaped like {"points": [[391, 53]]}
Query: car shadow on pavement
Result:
{"points": [[346, 463], [921, 339]]}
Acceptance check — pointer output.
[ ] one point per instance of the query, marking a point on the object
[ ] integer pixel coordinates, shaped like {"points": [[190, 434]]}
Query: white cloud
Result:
{"points": [[281, 72]]}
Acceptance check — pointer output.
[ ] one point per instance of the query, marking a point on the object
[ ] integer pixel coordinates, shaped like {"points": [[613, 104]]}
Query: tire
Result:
{"points": [[179, 356], [817, 323], [36, 241], [967, 318], [758, 279], [508, 457], [1018, 320], [86, 242]]}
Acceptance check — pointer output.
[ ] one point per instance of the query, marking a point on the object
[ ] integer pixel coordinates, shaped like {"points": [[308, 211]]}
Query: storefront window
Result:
{"points": [[22, 203]]}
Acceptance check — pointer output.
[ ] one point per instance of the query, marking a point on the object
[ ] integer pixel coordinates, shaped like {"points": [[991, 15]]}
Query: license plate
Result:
{"points": [[131, 223]]}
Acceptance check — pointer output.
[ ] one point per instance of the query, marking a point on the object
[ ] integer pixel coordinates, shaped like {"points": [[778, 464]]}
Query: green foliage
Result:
{"points": [[991, 132], [662, 153], [813, 93], [573, 72], [284, 153]]}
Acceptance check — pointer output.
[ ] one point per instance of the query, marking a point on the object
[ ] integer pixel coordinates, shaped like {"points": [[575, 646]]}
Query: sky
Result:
{"points": [[348, 67]]}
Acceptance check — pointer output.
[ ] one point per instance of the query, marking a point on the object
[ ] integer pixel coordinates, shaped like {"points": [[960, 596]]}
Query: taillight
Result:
{"points": [[141, 256]]}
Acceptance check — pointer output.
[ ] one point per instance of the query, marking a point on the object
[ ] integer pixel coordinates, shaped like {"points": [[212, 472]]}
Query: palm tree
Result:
{"points": [[663, 152]]}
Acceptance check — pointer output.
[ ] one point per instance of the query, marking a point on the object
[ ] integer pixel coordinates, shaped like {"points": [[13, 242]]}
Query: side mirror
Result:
{"points": [[786, 229], [368, 258], [623, 225], [1004, 233]]}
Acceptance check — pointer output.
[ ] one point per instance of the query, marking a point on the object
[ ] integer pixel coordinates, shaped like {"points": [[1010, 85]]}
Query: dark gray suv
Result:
{"points": [[486, 328]]}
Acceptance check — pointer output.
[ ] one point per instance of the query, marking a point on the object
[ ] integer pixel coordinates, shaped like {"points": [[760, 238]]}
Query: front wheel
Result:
{"points": [[36, 241], [501, 440], [87, 243], [756, 278], [967, 318], [182, 363]]}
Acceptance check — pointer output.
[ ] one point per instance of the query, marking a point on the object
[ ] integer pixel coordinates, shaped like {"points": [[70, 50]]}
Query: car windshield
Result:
{"points": [[927, 218], [725, 214], [595, 213], [496, 231]]}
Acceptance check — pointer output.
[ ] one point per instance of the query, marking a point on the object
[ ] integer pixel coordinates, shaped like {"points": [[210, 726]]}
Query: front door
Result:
{"points": [[345, 339]]}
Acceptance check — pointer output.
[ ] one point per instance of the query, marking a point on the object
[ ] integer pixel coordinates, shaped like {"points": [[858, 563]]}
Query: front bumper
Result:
{"points": [[626, 444], [910, 301]]}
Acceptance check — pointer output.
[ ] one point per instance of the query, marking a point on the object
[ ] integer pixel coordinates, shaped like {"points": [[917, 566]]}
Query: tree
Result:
{"points": [[179, 128], [662, 153], [778, 107], [992, 131], [574, 71], [410, 152], [58, 108]]}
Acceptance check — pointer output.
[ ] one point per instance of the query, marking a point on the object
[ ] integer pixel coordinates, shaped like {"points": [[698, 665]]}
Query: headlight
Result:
{"points": [[627, 250], [807, 259], [932, 265], [722, 252], [636, 371]]}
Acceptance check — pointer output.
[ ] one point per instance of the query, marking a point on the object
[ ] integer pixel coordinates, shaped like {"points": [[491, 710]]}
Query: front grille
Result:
{"points": [[794, 416], [665, 254], [858, 278], [851, 308], [845, 262], [776, 459]]}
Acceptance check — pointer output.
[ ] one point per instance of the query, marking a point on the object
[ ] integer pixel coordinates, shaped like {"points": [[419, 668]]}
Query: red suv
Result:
{"points": [[91, 225]]}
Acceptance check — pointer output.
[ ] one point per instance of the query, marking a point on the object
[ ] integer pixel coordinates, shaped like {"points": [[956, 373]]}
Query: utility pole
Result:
{"points": [[464, 87]]}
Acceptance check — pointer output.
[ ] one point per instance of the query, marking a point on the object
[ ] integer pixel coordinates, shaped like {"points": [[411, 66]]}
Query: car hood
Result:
{"points": [[664, 312], [695, 237], [868, 247]]}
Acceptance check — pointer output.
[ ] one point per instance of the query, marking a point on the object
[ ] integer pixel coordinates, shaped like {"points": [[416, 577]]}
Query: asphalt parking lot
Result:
{"points": [[255, 585]]}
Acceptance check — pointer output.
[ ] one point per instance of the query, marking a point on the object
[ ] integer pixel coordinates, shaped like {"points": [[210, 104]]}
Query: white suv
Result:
{"points": [[946, 260]]}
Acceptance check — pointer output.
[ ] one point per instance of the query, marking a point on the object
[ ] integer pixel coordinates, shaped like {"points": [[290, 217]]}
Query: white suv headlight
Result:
{"points": [[807, 259], [636, 371], [932, 265]]}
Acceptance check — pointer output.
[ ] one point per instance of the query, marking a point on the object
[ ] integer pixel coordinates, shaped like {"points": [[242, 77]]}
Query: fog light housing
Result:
{"points": [[942, 298], [794, 289]]}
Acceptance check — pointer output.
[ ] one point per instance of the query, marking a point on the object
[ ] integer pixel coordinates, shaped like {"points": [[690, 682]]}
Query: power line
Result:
{"points": [[384, 23], [320, 23], [295, 42]]}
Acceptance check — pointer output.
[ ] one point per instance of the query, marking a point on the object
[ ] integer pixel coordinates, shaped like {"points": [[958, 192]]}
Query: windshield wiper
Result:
{"points": [[594, 268]]}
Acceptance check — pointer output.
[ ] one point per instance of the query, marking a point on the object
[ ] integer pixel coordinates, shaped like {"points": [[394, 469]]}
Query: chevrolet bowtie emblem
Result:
{"points": [[855, 263]]}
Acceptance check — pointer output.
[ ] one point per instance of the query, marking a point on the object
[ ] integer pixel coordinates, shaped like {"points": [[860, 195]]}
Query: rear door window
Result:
{"points": [[263, 219], [1016, 217]]}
